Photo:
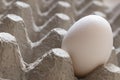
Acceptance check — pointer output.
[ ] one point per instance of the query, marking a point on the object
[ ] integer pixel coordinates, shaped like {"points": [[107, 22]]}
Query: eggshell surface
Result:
{"points": [[89, 42]]}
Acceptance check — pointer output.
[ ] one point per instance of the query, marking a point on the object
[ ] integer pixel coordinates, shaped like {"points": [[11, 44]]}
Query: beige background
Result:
{"points": [[111, 3]]}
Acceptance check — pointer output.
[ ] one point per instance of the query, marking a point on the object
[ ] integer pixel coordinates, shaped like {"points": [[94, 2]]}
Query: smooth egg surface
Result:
{"points": [[89, 42]]}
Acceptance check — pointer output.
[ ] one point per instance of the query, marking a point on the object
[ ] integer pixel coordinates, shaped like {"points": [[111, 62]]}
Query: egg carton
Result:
{"points": [[35, 31], [13, 66], [32, 33]]}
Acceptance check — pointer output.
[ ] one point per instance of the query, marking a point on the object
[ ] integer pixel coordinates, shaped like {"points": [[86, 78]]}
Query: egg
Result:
{"points": [[89, 42]]}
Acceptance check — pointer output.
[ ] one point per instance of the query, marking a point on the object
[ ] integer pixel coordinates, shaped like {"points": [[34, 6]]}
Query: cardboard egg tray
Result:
{"points": [[31, 32]]}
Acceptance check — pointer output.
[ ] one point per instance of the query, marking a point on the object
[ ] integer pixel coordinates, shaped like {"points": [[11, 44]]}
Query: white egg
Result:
{"points": [[89, 42]]}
